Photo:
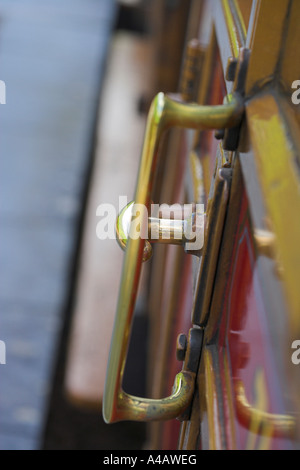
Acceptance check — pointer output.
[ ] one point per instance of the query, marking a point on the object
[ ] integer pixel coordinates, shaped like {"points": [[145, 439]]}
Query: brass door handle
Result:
{"points": [[165, 112]]}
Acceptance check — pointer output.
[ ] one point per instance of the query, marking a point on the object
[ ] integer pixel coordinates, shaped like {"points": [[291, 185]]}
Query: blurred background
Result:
{"points": [[79, 77]]}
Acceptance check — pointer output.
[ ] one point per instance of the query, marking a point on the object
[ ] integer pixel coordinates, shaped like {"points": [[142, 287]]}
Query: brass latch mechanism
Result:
{"points": [[165, 112]]}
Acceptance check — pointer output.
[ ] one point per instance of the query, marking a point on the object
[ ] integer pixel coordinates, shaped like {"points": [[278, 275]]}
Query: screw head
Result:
{"points": [[219, 134], [181, 347]]}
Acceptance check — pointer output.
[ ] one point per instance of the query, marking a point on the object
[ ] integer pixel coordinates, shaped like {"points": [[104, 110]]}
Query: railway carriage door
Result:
{"points": [[224, 317], [246, 394]]}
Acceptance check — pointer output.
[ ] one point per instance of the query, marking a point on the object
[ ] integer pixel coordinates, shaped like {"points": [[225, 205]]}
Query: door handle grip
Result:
{"points": [[165, 112]]}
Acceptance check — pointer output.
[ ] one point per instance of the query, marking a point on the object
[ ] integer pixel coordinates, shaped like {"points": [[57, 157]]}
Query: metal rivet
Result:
{"points": [[219, 134], [181, 347]]}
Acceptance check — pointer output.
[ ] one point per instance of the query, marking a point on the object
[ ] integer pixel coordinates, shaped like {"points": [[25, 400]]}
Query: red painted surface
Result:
{"points": [[244, 337]]}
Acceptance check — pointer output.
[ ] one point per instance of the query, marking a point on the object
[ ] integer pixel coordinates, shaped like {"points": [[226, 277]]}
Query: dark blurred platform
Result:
{"points": [[52, 57]]}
